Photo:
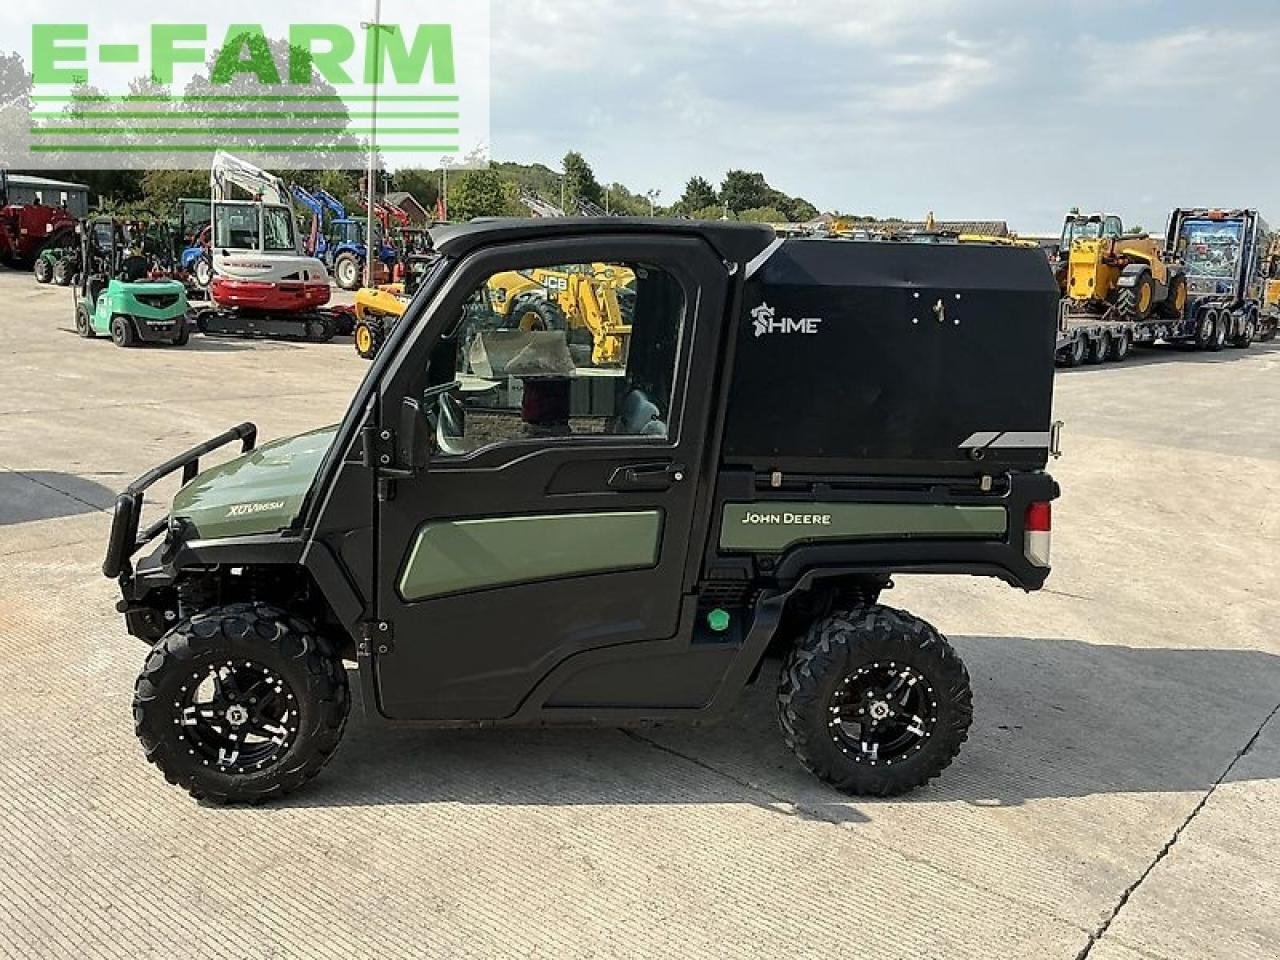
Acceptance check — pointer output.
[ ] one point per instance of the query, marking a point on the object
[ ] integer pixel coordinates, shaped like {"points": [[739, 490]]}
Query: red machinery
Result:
{"points": [[27, 228]]}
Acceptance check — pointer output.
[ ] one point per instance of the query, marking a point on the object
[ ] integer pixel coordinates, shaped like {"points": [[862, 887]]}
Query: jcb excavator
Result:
{"points": [[591, 303], [1113, 273], [587, 301]]}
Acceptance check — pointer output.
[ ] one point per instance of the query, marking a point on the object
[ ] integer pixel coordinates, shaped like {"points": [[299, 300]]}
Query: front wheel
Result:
{"points": [[1220, 331], [874, 701], [367, 337], [84, 323], [241, 704], [183, 336], [43, 270]]}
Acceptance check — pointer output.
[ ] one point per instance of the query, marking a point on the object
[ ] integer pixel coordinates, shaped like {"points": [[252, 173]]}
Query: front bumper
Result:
{"points": [[124, 540]]}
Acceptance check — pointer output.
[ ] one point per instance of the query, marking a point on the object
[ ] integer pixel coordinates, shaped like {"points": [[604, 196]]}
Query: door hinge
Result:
{"points": [[379, 447], [377, 638]]}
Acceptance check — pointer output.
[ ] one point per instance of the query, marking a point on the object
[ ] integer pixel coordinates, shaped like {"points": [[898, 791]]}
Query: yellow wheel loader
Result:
{"points": [[1114, 273]]}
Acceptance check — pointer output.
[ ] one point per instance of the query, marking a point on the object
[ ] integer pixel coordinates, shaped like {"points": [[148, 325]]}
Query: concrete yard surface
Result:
{"points": [[1117, 798]]}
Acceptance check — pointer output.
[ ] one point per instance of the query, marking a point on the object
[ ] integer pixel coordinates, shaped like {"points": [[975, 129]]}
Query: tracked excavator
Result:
{"points": [[263, 284]]}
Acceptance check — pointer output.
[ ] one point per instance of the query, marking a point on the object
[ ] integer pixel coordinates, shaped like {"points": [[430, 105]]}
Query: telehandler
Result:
{"points": [[797, 422]]}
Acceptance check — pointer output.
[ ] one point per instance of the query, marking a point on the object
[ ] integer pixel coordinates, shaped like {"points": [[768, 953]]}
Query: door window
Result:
{"points": [[561, 351], [235, 227]]}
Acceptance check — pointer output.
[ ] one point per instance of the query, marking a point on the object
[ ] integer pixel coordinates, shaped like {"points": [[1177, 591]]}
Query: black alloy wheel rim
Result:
{"points": [[883, 713], [237, 717]]}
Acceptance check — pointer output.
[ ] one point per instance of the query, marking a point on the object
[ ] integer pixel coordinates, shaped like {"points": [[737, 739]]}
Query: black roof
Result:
{"points": [[737, 242]]}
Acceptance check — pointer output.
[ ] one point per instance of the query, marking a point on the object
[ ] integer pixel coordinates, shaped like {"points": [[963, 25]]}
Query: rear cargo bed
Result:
{"points": [[894, 358]]}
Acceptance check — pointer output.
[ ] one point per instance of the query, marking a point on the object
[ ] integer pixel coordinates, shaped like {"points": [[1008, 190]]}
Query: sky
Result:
{"points": [[982, 109]]}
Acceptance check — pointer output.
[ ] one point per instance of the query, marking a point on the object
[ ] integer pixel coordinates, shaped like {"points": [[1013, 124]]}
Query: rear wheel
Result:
{"points": [[1247, 332], [1099, 349], [1076, 351], [874, 701], [346, 270], [203, 273], [122, 332], [183, 336], [241, 704], [62, 273], [1121, 346]]}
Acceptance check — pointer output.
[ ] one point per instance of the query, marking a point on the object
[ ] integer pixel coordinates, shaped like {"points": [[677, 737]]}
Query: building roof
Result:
{"points": [[400, 197], [42, 183]]}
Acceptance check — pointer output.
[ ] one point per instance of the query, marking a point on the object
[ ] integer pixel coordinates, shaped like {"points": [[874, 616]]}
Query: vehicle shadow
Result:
{"points": [[1053, 718], [30, 495], [1168, 353]]}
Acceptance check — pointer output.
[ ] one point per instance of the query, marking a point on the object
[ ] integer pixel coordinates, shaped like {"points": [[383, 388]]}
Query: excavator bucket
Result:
{"points": [[497, 354]]}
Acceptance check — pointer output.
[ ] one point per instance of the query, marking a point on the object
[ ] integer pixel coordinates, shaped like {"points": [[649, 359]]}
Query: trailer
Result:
{"points": [[1226, 257]]}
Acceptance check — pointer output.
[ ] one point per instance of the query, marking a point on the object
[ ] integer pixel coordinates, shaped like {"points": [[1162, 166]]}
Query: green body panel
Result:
{"points": [[774, 526], [120, 297], [259, 492], [450, 556]]}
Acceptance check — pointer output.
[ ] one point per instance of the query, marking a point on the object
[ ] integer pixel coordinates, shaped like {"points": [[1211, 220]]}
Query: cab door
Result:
{"points": [[555, 499]]}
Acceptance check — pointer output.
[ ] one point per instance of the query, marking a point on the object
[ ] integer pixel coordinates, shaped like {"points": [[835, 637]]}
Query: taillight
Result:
{"points": [[1039, 533]]}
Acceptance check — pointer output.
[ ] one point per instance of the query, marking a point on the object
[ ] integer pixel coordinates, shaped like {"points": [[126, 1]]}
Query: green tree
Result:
{"points": [[698, 195], [744, 190], [478, 193], [713, 212], [161, 188], [763, 215], [580, 181]]}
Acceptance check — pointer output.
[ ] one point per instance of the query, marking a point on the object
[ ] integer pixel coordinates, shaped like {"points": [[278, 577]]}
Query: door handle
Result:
{"points": [[647, 476]]}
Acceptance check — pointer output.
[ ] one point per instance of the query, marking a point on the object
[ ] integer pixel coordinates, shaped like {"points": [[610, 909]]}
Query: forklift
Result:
{"points": [[116, 295]]}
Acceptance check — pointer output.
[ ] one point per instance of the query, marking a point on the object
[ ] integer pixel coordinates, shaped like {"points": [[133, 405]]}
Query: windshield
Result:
{"points": [[277, 229], [1080, 230], [1211, 247]]}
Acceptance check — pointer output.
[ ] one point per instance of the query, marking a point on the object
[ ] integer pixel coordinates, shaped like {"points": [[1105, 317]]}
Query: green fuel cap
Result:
{"points": [[718, 620]]}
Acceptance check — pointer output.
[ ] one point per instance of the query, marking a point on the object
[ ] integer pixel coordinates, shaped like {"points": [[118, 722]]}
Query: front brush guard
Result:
{"points": [[124, 541]]}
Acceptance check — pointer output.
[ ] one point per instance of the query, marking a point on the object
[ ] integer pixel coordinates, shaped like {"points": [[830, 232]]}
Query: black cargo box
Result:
{"points": [[894, 358]]}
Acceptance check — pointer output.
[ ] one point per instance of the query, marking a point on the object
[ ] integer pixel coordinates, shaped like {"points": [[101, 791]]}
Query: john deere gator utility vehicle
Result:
{"points": [[796, 422], [116, 295]]}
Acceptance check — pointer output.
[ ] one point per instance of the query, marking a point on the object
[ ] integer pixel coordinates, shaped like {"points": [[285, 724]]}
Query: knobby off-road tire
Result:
{"points": [[301, 693], [62, 273], [42, 269], [534, 314], [821, 693]]}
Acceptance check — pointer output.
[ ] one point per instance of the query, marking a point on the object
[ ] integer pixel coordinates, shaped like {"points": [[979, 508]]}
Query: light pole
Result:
{"points": [[372, 182], [444, 185]]}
